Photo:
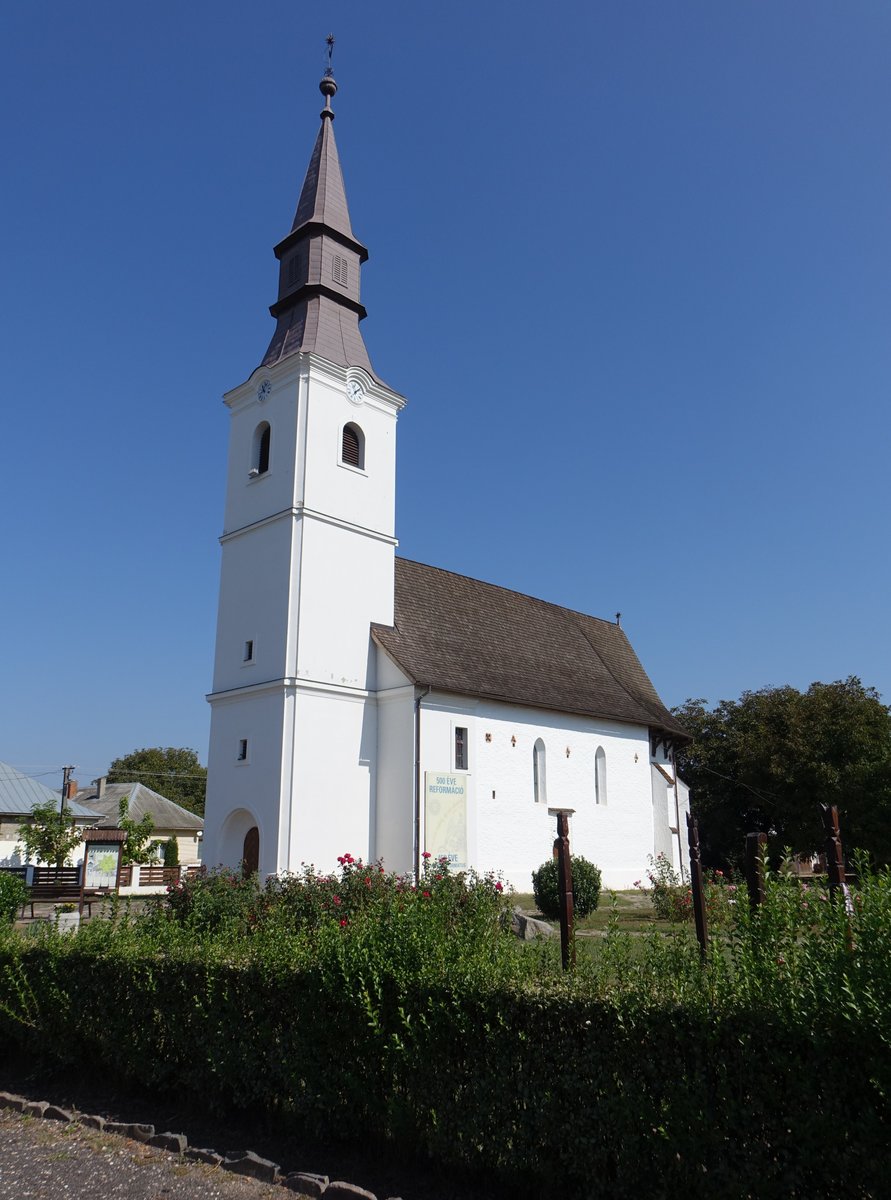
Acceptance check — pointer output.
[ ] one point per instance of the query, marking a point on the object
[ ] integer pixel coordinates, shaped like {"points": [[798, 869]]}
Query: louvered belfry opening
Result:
{"points": [[351, 452]]}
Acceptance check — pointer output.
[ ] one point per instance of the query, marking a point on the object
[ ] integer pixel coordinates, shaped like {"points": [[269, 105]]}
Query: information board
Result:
{"points": [[101, 864], [445, 817]]}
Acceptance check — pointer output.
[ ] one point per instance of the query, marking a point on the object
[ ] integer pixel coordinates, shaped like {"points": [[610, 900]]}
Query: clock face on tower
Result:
{"points": [[263, 390], [354, 391]]}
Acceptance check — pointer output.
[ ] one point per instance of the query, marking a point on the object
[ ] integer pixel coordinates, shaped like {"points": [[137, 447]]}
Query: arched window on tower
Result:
{"points": [[600, 776], [352, 450], [539, 773], [260, 450]]}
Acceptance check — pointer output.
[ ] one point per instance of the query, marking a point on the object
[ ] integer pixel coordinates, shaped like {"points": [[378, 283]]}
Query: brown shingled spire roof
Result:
{"points": [[318, 308]]}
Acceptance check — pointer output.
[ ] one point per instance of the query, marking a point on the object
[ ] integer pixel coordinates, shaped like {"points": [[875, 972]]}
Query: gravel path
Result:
{"points": [[45, 1160]]}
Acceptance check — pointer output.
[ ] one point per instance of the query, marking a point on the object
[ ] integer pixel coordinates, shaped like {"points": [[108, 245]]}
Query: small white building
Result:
{"points": [[369, 704]]}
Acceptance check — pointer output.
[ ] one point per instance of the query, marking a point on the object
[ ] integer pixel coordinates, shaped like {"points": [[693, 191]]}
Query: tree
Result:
{"points": [[175, 773], [136, 847], [769, 760], [50, 835]]}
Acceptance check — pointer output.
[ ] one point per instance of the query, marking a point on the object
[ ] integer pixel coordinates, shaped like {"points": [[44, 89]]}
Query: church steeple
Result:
{"points": [[318, 308]]}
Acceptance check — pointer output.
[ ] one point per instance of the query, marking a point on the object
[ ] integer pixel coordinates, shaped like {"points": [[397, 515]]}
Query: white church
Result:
{"points": [[368, 704]]}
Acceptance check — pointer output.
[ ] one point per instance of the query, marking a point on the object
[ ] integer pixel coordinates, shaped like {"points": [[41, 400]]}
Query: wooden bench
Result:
{"points": [[53, 893]]}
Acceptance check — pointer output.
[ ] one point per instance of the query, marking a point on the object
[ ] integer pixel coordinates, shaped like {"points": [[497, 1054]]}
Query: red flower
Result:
{"points": [[336, 899], [427, 894], [426, 854], [499, 886], [343, 922]]}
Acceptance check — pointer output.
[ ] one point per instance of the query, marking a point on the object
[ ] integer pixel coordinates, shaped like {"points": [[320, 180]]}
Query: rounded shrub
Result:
{"points": [[585, 887]]}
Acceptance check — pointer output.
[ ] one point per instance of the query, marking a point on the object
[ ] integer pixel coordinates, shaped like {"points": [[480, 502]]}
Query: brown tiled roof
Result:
{"points": [[461, 635]]}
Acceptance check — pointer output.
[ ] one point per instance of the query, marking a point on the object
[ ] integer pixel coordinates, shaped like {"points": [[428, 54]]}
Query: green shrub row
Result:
{"points": [[766, 1073]]}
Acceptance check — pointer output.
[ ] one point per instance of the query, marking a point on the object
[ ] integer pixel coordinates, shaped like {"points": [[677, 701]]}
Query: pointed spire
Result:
{"points": [[318, 308], [323, 198]]}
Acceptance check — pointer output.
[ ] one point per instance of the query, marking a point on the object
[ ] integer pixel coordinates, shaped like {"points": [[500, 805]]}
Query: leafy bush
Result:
{"points": [[672, 897], [585, 887], [171, 852], [13, 894]]}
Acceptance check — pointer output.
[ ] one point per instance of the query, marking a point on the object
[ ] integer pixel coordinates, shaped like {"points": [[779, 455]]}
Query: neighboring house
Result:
{"points": [[170, 819], [366, 704], [18, 796]]}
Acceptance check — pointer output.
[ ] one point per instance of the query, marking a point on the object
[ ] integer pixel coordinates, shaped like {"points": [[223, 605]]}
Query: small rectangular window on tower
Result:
{"points": [[249, 651], [460, 748], [242, 750], [339, 270]]}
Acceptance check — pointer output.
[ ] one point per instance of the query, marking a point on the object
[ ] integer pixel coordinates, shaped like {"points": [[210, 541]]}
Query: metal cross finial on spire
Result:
{"points": [[328, 86]]}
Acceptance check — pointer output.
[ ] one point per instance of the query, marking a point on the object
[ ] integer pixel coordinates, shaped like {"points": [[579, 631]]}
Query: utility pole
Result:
{"points": [[66, 775]]}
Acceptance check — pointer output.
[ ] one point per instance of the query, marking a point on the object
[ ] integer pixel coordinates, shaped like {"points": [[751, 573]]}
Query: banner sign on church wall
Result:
{"points": [[445, 817]]}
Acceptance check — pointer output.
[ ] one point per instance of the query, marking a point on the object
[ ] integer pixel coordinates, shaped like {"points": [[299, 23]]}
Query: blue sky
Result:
{"points": [[630, 263]]}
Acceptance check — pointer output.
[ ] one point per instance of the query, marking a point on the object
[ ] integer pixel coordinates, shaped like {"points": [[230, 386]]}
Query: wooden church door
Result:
{"points": [[250, 859]]}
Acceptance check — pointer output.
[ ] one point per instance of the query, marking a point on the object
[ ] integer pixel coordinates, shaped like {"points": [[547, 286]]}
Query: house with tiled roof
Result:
{"points": [[366, 703], [170, 820]]}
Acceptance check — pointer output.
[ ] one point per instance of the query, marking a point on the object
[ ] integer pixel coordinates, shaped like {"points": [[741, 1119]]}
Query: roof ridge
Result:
{"points": [[512, 591]]}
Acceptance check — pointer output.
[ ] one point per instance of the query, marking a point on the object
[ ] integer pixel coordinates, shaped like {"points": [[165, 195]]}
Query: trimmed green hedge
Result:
{"points": [[763, 1074]]}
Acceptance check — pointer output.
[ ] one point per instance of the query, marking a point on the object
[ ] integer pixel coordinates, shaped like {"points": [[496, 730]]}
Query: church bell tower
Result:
{"points": [[307, 559]]}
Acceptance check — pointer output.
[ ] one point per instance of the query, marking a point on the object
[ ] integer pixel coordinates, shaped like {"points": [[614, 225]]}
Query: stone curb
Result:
{"points": [[240, 1162]]}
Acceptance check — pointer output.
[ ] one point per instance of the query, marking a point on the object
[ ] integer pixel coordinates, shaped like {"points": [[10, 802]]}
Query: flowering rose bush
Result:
{"points": [[226, 902]]}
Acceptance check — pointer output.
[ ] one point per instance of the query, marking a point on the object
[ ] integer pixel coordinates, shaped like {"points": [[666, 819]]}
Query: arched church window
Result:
{"points": [[260, 449], [539, 774], [353, 447], [600, 776]]}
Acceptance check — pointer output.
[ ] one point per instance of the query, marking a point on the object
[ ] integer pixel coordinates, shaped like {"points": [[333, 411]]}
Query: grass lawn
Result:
{"points": [[635, 912]]}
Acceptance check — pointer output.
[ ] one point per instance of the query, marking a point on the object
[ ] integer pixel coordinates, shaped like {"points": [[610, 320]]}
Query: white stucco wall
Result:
{"points": [[507, 830]]}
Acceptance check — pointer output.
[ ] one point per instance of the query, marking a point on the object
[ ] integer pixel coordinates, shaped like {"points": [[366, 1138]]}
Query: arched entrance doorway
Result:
{"points": [[250, 859]]}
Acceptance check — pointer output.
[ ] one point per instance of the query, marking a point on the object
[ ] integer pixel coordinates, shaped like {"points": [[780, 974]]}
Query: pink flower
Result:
{"points": [[426, 854], [336, 899], [499, 886]]}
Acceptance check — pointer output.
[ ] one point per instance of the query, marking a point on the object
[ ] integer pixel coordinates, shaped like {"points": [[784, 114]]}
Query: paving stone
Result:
{"points": [[91, 1122], [16, 1103], [54, 1113], [35, 1108], [338, 1190], [205, 1156], [139, 1133], [306, 1183], [245, 1162], [176, 1142]]}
